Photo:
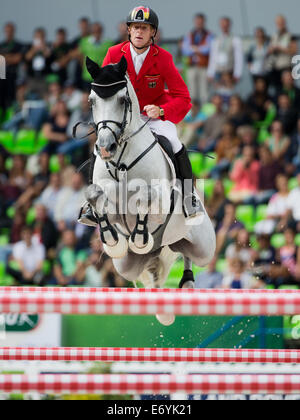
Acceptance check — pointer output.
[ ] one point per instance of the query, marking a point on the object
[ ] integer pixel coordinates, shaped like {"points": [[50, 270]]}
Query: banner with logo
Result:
{"points": [[22, 330]]}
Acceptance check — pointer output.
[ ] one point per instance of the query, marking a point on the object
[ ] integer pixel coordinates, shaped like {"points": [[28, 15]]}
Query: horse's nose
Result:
{"points": [[112, 148]]}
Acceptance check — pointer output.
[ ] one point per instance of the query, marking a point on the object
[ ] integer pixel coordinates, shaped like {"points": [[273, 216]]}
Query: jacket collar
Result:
{"points": [[148, 60]]}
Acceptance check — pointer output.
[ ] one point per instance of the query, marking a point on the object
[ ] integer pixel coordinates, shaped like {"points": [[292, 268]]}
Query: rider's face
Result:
{"points": [[141, 34]]}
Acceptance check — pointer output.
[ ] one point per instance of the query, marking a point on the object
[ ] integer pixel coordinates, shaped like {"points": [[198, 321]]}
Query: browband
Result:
{"points": [[111, 84]]}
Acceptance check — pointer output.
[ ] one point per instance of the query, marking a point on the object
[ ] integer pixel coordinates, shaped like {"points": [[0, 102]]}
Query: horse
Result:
{"points": [[143, 229]]}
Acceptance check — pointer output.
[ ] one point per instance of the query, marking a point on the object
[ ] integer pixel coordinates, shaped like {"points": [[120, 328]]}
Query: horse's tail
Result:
{"points": [[158, 270]]}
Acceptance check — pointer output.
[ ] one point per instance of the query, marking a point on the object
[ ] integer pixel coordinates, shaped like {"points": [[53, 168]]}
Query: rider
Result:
{"points": [[150, 68]]}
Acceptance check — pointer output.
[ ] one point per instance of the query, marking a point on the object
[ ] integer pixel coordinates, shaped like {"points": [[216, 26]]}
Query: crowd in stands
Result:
{"points": [[246, 148]]}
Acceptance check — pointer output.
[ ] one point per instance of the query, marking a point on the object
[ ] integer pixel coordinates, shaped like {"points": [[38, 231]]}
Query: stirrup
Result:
{"points": [[193, 207], [86, 216]]}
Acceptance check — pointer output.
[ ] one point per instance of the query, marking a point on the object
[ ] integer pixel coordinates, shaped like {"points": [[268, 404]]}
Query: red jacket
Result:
{"points": [[157, 71]]}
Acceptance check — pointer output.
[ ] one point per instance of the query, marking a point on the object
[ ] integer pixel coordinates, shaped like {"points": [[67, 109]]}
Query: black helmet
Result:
{"points": [[142, 14]]}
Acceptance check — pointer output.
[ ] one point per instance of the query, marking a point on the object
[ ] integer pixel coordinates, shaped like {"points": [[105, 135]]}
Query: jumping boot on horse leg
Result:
{"points": [[192, 206], [86, 215]]}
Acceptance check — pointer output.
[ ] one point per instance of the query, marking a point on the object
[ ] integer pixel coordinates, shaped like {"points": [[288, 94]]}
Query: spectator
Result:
{"points": [[245, 174], [71, 96], [74, 65], [11, 50], [277, 209], [290, 89], [238, 278], [295, 147], [247, 136], [227, 150], [226, 53], [30, 256], [123, 33], [292, 215], [278, 143], [213, 126], [263, 258], [216, 204], [240, 249], [59, 57], [192, 126], [69, 203], [55, 130], [229, 228], [38, 184], [257, 55], [286, 271], [51, 194], [37, 59], [94, 47], [68, 265], [237, 114], [196, 47], [279, 53], [210, 278], [259, 102], [54, 94], [268, 171], [44, 229], [225, 87], [287, 114], [93, 267]]}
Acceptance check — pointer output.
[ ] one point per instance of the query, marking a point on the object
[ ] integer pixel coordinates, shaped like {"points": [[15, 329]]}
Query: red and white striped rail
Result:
{"points": [[151, 384], [180, 302], [108, 354], [56, 290]]}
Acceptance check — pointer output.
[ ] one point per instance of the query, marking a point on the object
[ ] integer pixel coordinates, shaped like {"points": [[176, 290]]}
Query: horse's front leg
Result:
{"points": [[115, 245], [141, 241]]}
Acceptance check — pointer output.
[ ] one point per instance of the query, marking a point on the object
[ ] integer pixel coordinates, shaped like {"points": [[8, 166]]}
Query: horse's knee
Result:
{"points": [[127, 270]]}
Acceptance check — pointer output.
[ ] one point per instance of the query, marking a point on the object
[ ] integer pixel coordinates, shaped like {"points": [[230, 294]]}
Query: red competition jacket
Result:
{"points": [[158, 71]]}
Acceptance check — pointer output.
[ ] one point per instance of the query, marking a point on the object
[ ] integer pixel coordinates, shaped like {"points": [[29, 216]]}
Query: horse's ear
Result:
{"points": [[122, 66], [92, 67]]}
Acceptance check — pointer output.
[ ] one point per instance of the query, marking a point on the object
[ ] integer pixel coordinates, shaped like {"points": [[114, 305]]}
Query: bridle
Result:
{"points": [[120, 139]]}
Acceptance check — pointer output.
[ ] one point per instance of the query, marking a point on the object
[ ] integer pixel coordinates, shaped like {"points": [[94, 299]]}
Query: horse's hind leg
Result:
{"points": [[188, 280]]}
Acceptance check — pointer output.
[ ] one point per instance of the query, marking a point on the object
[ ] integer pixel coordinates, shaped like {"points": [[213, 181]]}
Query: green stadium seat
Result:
{"points": [[277, 240], [209, 163], [297, 239], [54, 164], [4, 240], [222, 265], [25, 142], [245, 215], [208, 109], [2, 270], [261, 212], [253, 242], [228, 185], [9, 164], [11, 211], [293, 183], [7, 140], [41, 141], [30, 216], [209, 185], [197, 162]]}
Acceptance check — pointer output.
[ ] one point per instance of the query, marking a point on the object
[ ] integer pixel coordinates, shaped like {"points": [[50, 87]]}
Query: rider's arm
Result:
{"points": [[180, 104]]}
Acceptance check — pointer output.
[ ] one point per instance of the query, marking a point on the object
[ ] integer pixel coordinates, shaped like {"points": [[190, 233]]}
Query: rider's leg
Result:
{"points": [[86, 216], [192, 206]]}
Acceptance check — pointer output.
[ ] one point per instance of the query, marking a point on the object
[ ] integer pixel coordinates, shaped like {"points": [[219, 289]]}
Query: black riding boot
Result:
{"points": [[86, 216], [191, 204]]}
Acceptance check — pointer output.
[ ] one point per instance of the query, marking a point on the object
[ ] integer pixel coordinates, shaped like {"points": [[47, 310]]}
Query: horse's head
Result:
{"points": [[111, 105]]}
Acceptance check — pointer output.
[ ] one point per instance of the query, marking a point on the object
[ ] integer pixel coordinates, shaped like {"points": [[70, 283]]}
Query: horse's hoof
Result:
{"points": [[142, 250], [166, 319], [188, 285], [118, 251]]}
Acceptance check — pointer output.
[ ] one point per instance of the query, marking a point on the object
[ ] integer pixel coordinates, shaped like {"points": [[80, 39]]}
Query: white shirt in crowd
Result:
{"points": [[219, 58], [277, 207], [31, 256], [293, 201], [138, 59]]}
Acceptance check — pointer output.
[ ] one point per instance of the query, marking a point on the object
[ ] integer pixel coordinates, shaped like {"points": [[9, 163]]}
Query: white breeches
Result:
{"points": [[166, 129]]}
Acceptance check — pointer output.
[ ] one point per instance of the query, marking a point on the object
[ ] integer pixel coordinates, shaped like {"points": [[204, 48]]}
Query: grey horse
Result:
{"points": [[134, 195]]}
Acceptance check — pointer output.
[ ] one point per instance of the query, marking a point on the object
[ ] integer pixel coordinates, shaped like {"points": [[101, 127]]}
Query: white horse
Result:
{"points": [[144, 239]]}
